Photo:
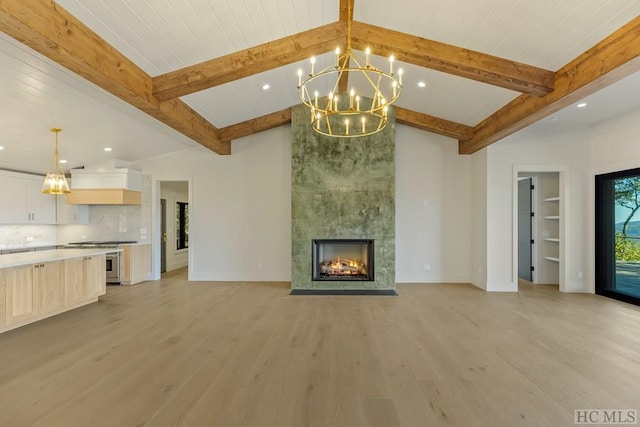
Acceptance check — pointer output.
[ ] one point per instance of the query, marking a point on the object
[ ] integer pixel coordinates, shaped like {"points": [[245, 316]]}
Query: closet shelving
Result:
{"points": [[551, 215]]}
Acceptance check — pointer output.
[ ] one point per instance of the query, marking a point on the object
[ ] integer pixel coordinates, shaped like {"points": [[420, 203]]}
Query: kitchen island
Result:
{"points": [[41, 284]]}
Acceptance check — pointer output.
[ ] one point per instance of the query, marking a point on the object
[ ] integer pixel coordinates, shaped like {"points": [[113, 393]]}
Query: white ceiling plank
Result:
{"points": [[164, 35]]}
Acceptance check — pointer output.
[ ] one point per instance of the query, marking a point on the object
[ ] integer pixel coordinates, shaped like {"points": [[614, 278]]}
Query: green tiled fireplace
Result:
{"points": [[342, 188]]}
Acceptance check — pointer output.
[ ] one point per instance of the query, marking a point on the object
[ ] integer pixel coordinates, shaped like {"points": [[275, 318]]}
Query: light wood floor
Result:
{"points": [[172, 353]]}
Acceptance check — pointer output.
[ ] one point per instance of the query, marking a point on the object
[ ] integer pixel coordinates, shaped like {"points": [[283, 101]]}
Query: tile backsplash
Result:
{"points": [[105, 223], [25, 236]]}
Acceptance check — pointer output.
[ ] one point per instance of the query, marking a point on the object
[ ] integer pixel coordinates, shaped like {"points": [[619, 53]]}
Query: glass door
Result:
{"points": [[618, 235]]}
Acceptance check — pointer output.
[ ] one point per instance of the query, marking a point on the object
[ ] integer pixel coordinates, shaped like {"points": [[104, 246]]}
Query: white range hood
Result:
{"points": [[116, 186]]}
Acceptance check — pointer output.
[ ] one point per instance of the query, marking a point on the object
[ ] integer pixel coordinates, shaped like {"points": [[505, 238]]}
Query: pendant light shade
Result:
{"points": [[55, 181]]}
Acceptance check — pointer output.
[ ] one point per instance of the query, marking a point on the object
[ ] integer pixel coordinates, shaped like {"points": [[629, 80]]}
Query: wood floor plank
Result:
{"points": [[178, 353]]}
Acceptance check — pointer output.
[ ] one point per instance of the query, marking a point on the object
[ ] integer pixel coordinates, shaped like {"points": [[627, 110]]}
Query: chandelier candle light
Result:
{"points": [[349, 114], [55, 181]]}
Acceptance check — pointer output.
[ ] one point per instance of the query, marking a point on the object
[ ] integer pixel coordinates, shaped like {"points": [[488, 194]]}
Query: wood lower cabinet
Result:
{"points": [[85, 278], [48, 286], [32, 292], [20, 302], [75, 290], [3, 294], [95, 275], [135, 263]]}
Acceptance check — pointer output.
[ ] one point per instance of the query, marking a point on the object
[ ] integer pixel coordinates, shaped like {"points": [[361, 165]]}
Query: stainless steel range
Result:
{"points": [[112, 258]]}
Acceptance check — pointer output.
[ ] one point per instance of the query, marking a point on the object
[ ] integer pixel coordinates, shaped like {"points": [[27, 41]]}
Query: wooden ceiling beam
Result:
{"points": [[433, 124], [258, 124], [50, 30], [346, 16], [345, 7], [248, 62], [403, 116], [612, 59], [453, 60]]}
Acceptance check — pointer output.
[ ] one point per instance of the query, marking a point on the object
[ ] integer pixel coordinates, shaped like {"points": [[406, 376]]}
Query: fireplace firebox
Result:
{"points": [[343, 260]]}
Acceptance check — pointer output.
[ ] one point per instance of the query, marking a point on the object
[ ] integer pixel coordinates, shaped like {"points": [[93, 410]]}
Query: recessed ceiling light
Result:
{"points": [[1, 147], [265, 86], [422, 84], [107, 148], [63, 161], [582, 105]]}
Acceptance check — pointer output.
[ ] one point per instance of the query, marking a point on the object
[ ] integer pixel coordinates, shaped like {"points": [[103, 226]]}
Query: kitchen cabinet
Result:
{"points": [[40, 284], [95, 275], [3, 293], [48, 286], [85, 278], [23, 201], [135, 263], [20, 303], [75, 290]]}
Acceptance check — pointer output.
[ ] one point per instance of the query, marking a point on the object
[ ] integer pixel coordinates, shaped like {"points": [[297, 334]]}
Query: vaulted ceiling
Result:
{"points": [[491, 67]]}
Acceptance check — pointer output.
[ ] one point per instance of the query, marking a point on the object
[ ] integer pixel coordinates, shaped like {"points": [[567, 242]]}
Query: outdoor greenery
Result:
{"points": [[627, 195], [627, 249]]}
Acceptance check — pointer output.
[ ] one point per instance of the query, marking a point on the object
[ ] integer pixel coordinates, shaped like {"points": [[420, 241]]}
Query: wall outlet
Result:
{"points": [[427, 267], [580, 274], [259, 266]]}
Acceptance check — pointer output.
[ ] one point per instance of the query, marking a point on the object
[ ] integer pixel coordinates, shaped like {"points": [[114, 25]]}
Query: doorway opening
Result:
{"points": [[539, 223], [173, 230]]}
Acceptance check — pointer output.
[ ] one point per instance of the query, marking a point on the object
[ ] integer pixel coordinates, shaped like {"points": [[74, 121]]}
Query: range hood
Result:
{"points": [[118, 186]]}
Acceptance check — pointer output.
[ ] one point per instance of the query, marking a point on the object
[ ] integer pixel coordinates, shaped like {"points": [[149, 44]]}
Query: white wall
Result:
{"points": [[240, 207], [479, 219], [533, 150], [433, 204], [174, 192]]}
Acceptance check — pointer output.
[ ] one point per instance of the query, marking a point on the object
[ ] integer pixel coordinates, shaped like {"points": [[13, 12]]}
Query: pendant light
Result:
{"points": [[55, 181]]}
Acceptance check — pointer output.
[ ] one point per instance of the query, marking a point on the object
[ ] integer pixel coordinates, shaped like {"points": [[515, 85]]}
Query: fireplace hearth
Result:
{"points": [[343, 260]]}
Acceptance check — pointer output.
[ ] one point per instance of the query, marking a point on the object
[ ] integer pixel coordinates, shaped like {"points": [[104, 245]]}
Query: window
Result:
{"points": [[618, 235], [182, 225]]}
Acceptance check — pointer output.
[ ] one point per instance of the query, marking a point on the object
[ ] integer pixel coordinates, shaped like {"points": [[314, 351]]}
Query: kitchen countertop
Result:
{"points": [[35, 257]]}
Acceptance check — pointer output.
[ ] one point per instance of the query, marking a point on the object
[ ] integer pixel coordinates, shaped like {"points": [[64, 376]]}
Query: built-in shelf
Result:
{"points": [[552, 217], [552, 199], [553, 259], [552, 239]]}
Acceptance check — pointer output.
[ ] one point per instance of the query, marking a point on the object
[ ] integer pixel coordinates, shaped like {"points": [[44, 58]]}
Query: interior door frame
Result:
{"points": [[565, 205], [163, 233], [156, 181]]}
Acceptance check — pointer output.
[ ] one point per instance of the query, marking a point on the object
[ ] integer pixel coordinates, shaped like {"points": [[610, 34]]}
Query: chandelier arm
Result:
{"points": [[336, 114]]}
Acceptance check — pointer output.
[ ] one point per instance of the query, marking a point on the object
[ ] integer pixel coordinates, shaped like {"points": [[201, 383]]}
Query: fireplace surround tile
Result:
{"points": [[342, 188]]}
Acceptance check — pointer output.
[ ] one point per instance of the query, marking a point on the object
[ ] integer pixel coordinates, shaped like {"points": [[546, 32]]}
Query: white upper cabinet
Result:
{"points": [[22, 201]]}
